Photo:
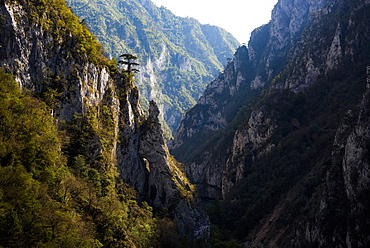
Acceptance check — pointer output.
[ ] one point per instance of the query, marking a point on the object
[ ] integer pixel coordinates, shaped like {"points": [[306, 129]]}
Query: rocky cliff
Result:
{"points": [[267, 155], [51, 54], [328, 199], [346, 185], [249, 72]]}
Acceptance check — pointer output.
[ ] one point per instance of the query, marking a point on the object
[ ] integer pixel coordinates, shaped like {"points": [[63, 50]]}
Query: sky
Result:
{"points": [[239, 17]]}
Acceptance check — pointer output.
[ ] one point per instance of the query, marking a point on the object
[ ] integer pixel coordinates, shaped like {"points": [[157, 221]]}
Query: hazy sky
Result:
{"points": [[239, 17]]}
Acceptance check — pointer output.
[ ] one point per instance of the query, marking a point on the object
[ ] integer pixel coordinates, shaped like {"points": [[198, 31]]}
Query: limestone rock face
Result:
{"points": [[251, 67], [288, 20], [288, 53], [212, 114], [159, 179], [154, 152], [335, 214], [332, 47], [35, 59], [331, 218], [131, 168], [335, 52], [278, 154], [209, 113], [246, 148]]}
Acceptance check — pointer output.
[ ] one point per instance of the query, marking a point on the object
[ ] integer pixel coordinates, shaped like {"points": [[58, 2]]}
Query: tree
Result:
{"points": [[128, 60]]}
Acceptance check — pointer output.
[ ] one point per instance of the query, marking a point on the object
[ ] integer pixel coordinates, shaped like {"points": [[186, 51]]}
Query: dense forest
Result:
{"points": [[53, 198]]}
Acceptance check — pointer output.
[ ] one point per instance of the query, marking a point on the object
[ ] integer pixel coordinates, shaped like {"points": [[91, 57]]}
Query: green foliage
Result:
{"points": [[58, 186], [128, 61], [220, 237], [57, 18], [29, 136], [33, 202], [186, 189], [30, 217], [44, 203]]}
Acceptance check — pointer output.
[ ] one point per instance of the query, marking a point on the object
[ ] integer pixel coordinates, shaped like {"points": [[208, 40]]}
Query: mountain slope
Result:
{"points": [[173, 51], [275, 151]]}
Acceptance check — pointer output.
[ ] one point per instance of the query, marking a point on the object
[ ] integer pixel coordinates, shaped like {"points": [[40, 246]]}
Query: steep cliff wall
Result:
{"points": [[347, 184], [328, 202], [211, 112], [251, 70], [256, 65], [305, 72], [50, 53]]}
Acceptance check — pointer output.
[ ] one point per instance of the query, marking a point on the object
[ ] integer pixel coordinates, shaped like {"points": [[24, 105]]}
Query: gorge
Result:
{"points": [[275, 152]]}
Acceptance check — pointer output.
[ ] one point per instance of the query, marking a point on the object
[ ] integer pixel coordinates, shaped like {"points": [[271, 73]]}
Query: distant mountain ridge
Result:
{"points": [[178, 56]]}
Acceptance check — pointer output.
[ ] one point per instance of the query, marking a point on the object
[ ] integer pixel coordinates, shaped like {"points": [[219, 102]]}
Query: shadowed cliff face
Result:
{"points": [[146, 163], [274, 150], [251, 70], [347, 183], [62, 67]]}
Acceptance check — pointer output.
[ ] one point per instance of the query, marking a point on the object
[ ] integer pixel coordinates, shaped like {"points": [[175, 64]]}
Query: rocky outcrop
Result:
{"points": [[339, 202], [40, 61], [146, 163], [288, 20], [333, 48], [337, 215], [292, 32], [154, 152]]}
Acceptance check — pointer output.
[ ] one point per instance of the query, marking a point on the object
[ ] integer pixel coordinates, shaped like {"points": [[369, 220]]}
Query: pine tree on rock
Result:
{"points": [[128, 60]]}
